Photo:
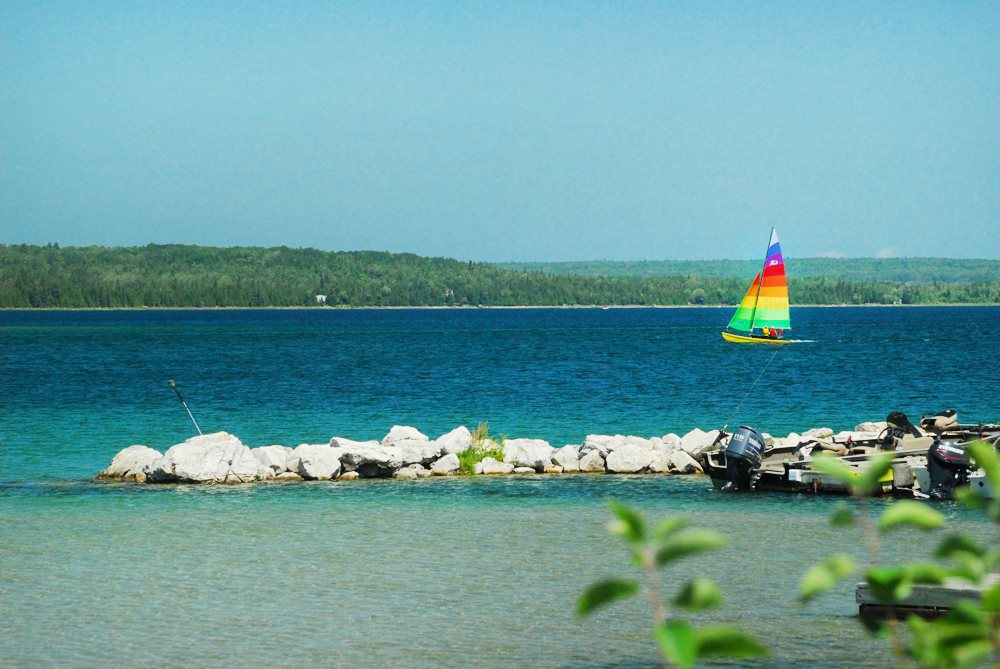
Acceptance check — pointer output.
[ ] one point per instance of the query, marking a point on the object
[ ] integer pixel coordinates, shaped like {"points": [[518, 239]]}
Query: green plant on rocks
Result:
{"points": [[680, 643], [483, 446], [969, 635]]}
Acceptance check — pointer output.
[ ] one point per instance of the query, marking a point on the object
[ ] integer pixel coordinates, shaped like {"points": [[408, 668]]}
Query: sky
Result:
{"points": [[505, 131]]}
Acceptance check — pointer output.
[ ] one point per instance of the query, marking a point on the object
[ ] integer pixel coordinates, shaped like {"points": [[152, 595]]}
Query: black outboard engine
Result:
{"points": [[948, 466], [743, 456]]}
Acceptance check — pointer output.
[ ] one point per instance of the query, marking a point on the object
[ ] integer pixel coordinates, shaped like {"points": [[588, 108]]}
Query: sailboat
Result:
{"points": [[762, 317]]}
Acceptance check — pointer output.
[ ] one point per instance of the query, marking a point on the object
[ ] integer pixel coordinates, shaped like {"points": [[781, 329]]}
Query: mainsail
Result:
{"points": [[765, 304]]}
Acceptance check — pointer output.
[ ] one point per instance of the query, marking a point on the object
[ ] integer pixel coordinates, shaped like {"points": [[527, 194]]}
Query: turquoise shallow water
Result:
{"points": [[432, 572]]}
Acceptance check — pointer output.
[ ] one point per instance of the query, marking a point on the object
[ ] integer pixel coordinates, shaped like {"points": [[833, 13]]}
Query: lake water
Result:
{"points": [[429, 573]]}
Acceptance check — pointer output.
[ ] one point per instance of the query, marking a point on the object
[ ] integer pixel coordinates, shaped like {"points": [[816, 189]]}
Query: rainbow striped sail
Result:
{"points": [[762, 316]]}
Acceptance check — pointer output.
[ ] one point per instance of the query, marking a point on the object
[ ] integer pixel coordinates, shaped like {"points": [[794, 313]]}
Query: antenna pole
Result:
{"points": [[174, 386]]}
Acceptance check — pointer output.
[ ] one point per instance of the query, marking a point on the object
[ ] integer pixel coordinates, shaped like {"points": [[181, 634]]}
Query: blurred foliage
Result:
{"points": [[681, 644], [969, 634]]}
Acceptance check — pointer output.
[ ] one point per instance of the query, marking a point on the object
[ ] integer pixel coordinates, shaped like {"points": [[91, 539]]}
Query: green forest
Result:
{"points": [[916, 270], [198, 276]]}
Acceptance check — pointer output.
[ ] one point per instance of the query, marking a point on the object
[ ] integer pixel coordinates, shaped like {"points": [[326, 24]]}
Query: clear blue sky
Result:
{"points": [[505, 131]]}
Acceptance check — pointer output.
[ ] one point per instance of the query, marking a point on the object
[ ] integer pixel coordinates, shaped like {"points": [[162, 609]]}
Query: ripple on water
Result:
{"points": [[470, 572]]}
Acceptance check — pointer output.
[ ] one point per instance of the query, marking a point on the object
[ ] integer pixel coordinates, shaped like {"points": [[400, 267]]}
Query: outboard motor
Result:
{"points": [[743, 456], [948, 466]]}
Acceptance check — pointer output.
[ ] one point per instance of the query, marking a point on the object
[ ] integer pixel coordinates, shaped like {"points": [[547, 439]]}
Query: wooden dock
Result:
{"points": [[925, 600]]}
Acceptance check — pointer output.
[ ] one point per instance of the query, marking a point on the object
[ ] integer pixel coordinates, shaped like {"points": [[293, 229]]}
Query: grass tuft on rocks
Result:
{"points": [[483, 446]]}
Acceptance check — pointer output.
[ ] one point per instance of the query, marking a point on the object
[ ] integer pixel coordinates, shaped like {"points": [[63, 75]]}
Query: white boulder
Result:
{"points": [[455, 441], [631, 458], [682, 463], [401, 433], [534, 453], [318, 461], [447, 464], [662, 463], [697, 441], [273, 457], [601, 443], [211, 458], [874, 427], [413, 451], [592, 461], [368, 454], [492, 467], [128, 464], [567, 457], [818, 433], [671, 439], [524, 470]]}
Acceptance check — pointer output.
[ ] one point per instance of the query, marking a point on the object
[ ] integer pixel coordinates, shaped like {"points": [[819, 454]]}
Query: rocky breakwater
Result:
{"points": [[404, 453]]}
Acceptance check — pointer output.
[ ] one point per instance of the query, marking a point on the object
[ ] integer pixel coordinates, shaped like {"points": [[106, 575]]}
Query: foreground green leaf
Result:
{"points": [[827, 463], [909, 512], [628, 524], [689, 542], [678, 643], [955, 544], [991, 599], [871, 478], [667, 528], [842, 515], [700, 593], [889, 584], [823, 576], [604, 592], [727, 642]]}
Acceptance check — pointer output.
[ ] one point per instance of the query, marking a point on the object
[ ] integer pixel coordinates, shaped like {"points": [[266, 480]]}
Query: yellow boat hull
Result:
{"points": [[743, 339]]}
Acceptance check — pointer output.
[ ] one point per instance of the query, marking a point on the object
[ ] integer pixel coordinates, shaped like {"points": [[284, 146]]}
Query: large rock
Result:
{"points": [[455, 441], [534, 453], [447, 464], [682, 463], [413, 451], [211, 458], [274, 457], [403, 433], [601, 443], [630, 458], [592, 461], [370, 458], [567, 457], [129, 463], [818, 433], [871, 426], [662, 463], [492, 467], [665, 447], [318, 461], [696, 441]]}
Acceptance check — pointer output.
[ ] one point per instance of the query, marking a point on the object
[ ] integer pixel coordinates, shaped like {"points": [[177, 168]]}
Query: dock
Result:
{"points": [[926, 600]]}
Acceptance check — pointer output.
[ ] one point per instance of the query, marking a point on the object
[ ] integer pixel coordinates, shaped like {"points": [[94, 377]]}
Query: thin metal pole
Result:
{"points": [[174, 386]]}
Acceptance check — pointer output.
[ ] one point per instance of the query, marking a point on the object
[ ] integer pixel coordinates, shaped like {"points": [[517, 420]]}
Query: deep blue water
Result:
{"points": [[79, 386], [431, 573]]}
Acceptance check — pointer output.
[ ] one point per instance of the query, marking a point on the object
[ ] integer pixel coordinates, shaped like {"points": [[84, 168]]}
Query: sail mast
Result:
{"points": [[753, 314]]}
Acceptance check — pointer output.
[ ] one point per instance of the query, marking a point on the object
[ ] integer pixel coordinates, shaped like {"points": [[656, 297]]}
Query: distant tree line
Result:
{"points": [[913, 270], [198, 276]]}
